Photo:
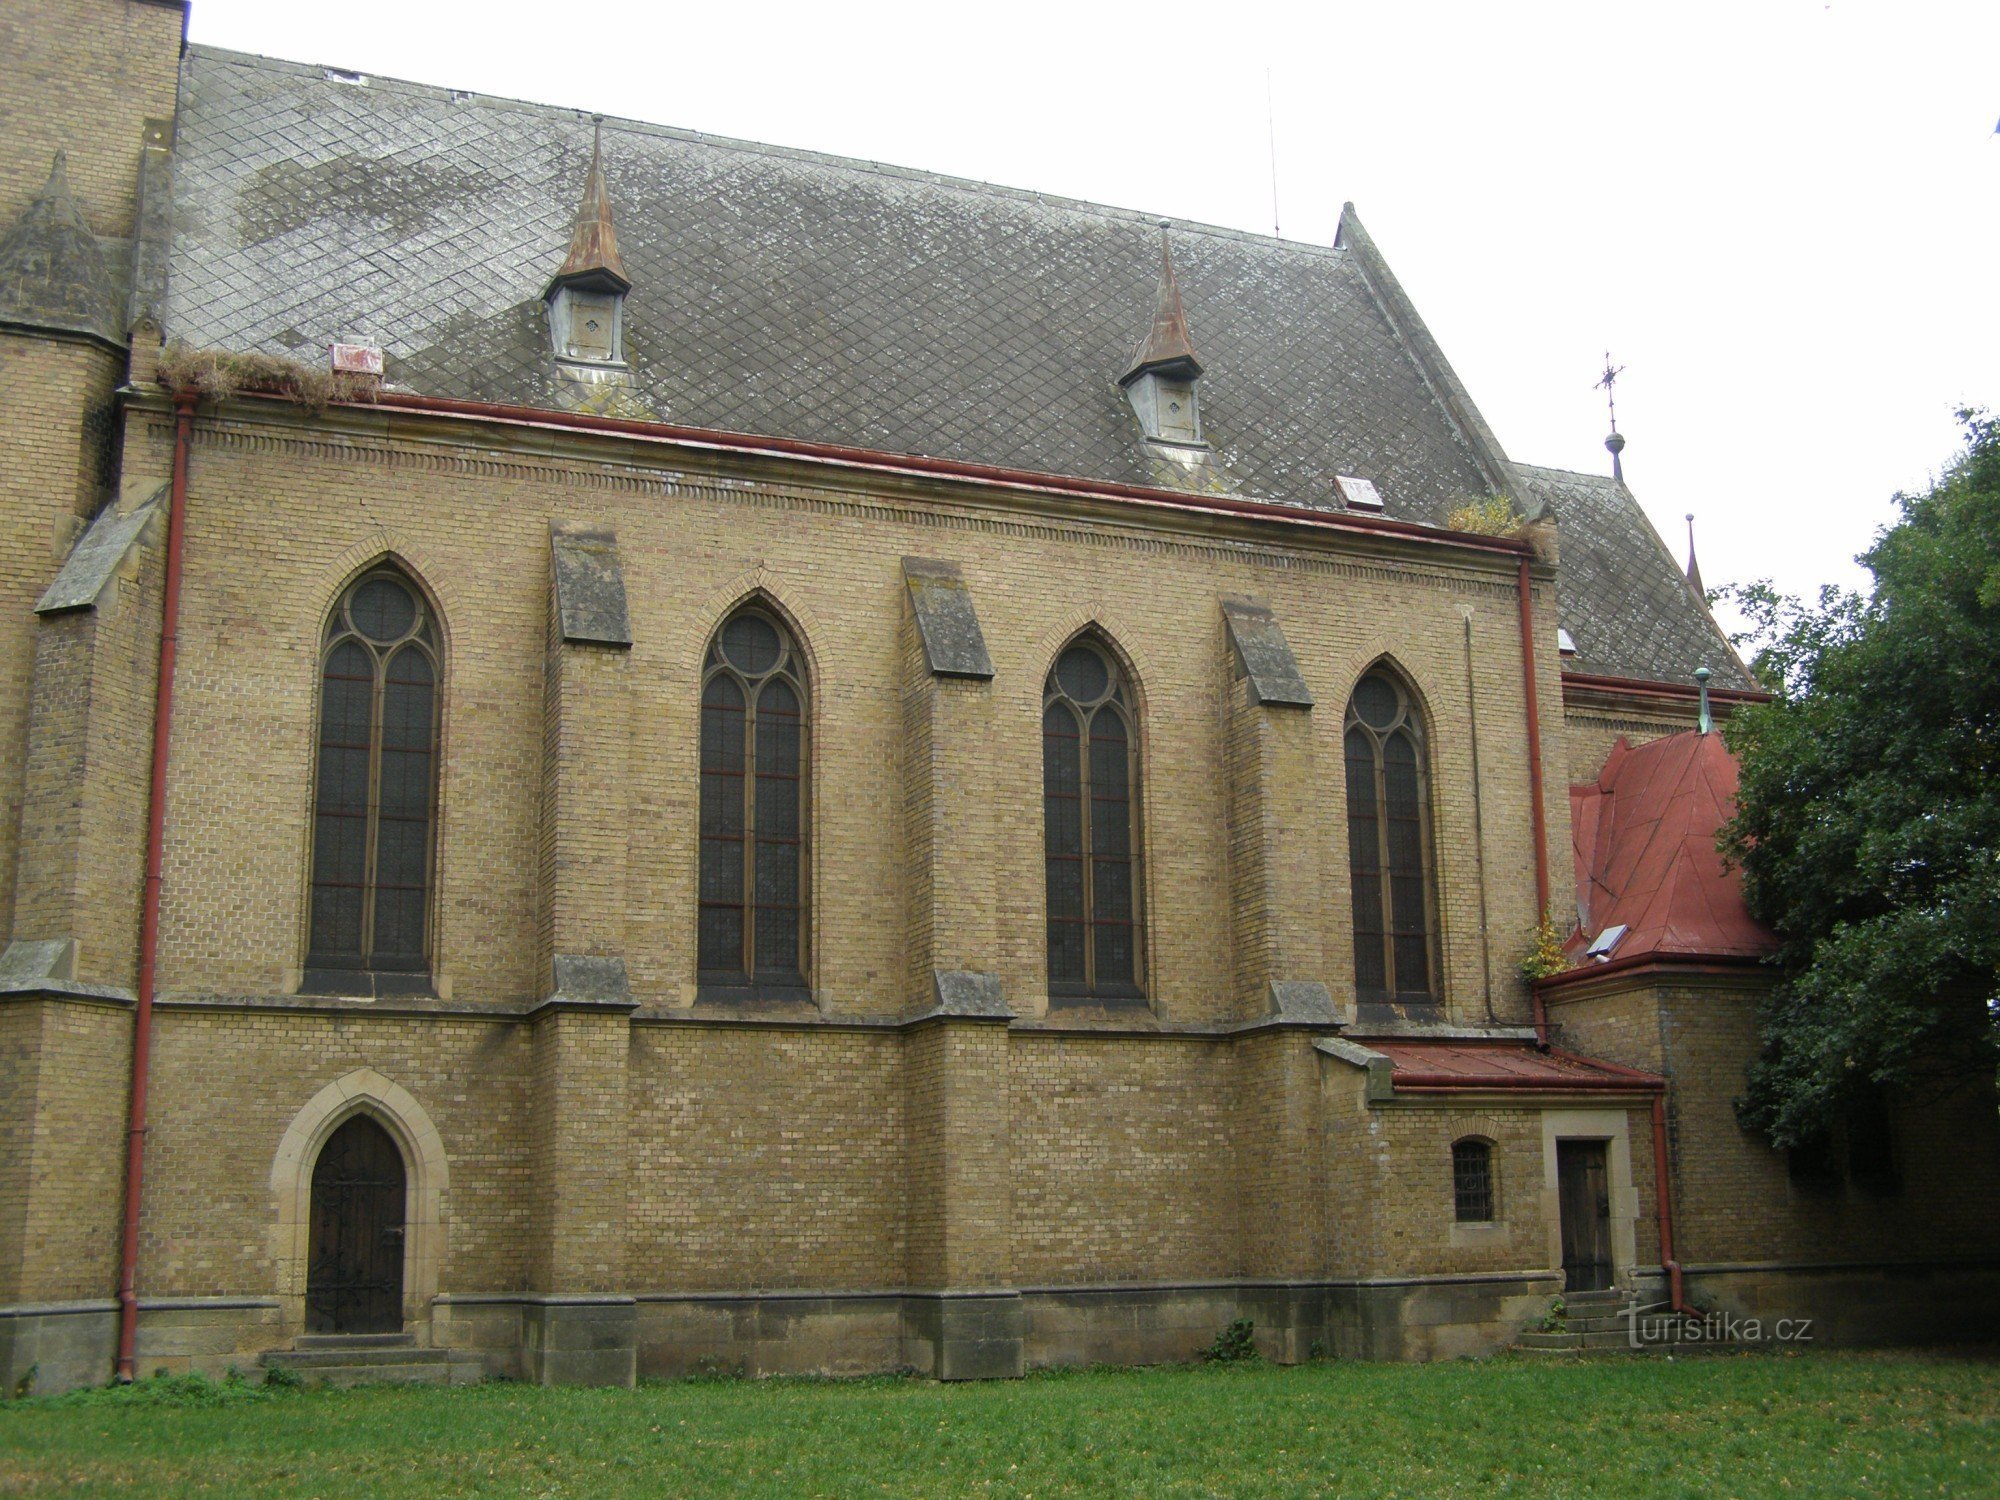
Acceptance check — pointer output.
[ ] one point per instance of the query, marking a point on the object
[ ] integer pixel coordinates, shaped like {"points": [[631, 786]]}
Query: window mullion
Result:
{"points": [[1133, 790], [1385, 881], [749, 831], [1084, 818], [372, 824]]}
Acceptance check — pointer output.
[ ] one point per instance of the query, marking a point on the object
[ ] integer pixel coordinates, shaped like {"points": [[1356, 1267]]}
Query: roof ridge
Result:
{"points": [[890, 170], [1604, 479]]}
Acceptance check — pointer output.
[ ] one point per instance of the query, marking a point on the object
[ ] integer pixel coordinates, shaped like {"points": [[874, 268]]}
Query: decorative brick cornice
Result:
{"points": [[1033, 518]]}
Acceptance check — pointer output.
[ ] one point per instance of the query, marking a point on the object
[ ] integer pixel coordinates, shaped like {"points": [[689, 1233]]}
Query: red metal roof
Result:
{"points": [[1644, 840], [1430, 1067]]}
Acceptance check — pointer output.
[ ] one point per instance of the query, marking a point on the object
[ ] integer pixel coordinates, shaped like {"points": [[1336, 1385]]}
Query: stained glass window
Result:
{"points": [[1389, 842], [1090, 811], [376, 793], [752, 904]]}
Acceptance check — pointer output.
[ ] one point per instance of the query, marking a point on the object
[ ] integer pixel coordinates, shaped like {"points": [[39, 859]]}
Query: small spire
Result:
{"points": [[1168, 347], [1706, 723], [52, 272], [1694, 568], [593, 244]]}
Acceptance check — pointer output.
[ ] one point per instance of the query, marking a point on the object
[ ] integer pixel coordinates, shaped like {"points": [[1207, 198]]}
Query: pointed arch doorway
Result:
{"points": [[354, 1269]]}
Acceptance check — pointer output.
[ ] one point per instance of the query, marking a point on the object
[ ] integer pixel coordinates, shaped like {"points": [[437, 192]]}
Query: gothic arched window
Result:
{"points": [[753, 929], [1090, 810], [1389, 842], [375, 799]]}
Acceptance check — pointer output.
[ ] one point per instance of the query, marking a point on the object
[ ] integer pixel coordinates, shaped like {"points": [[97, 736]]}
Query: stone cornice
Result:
{"points": [[607, 463]]}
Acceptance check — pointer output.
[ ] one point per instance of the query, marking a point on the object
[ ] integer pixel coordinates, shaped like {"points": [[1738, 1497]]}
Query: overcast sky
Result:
{"points": [[1782, 217]]}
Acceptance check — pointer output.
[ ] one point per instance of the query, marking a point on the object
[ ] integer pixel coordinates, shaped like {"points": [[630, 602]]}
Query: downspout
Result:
{"points": [[149, 921], [1539, 814], [1663, 1199]]}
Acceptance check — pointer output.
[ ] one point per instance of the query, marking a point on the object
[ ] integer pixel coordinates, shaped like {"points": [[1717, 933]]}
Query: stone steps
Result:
{"points": [[1595, 1322], [343, 1361]]}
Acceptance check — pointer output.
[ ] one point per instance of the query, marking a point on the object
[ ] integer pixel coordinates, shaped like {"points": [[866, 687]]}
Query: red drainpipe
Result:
{"points": [[1531, 697], [149, 922], [1663, 1199]]}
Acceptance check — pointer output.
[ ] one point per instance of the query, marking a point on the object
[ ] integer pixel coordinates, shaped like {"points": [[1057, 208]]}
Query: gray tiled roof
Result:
{"points": [[1619, 592], [775, 291], [810, 297]]}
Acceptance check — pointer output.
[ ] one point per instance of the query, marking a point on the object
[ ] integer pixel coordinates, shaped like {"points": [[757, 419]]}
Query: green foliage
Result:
{"points": [[186, 1390], [1868, 819], [1234, 1344], [1545, 956], [1556, 1319], [283, 1378], [1751, 1425], [1492, 515]]}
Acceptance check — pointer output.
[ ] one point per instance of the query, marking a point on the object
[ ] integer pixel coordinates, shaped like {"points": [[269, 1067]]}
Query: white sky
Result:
{"points": [[1781, 216]]}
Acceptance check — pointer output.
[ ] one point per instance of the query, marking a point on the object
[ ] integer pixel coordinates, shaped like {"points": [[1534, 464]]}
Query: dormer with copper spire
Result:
{"points": [[586, 298], [1160, 382]]}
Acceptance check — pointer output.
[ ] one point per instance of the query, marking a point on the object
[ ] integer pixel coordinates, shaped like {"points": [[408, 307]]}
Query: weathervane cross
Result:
{"points": [[1607, 383]]}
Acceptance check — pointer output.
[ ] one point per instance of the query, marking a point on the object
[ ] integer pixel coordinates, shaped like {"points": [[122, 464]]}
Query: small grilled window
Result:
{"points": [[1090, 811], [753, 934], [376, 785], [1472, 1180]]}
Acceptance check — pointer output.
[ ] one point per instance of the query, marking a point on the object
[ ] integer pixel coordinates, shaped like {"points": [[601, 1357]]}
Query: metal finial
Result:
{"points": [[1706, 723], [1607, 383]]}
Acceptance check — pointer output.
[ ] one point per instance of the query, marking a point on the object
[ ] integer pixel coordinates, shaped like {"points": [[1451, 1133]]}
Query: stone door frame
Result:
{"points": [[396, 1110], [1613, 1127]]}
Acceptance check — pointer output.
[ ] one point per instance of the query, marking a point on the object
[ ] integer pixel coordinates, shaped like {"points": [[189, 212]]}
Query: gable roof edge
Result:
{"points": [[1448, 390], [1700, 599]]}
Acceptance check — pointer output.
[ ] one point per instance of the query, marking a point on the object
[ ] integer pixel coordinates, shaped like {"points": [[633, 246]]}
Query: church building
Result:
{"points": [[626, 753]]}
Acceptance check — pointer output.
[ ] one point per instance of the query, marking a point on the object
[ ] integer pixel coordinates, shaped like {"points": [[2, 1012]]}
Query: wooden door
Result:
{"points": [[354, 1273], [1584, 1189]]}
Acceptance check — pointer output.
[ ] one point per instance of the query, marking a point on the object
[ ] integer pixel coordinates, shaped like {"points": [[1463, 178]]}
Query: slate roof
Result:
{"points": [[810, 297], [1619, 592], [1644, 845]]}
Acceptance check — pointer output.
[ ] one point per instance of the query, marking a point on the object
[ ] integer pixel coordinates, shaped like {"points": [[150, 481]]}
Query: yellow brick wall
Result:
{"points": [[20, 1067], [228, 1083], [82, 858], [83, 76], [63, 1069], [1124, 1168], [1281, 1173], [52, 474], [1589, 734], [276, 525], [765, 1158], [1733, 1197]]}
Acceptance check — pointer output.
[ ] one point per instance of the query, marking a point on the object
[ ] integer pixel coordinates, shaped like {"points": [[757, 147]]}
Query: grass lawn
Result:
{"points": [[1827, 1424]]}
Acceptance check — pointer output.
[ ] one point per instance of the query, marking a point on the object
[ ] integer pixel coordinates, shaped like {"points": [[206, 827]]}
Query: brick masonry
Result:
{"points": [[707, 1161], [928, 1164]]}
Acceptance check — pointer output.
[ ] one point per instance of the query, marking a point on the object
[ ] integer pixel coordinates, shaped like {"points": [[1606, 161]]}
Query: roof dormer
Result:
{"points": [[1160, 383], [586, 298]]}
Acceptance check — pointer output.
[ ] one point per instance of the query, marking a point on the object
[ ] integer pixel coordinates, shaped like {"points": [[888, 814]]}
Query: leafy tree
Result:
{"points": [[1868, 820]]}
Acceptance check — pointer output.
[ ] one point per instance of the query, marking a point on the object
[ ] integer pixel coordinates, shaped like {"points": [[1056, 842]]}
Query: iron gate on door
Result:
{"points": [[354, 1271]]}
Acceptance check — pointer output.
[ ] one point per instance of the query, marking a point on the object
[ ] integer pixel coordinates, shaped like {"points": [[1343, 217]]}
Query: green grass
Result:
{"points": [[1751, 1425]]}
